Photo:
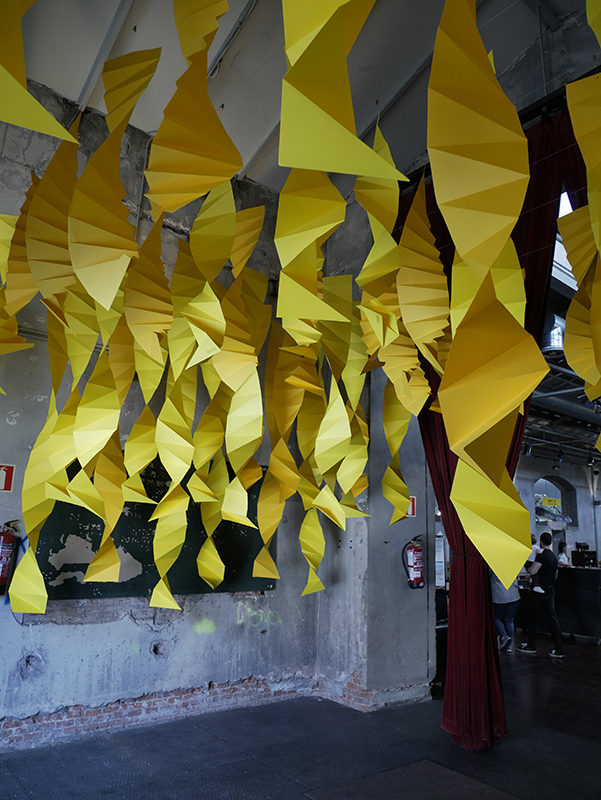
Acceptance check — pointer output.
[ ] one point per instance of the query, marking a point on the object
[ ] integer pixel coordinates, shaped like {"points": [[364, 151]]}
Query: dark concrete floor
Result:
{"points": [[310, 748]]}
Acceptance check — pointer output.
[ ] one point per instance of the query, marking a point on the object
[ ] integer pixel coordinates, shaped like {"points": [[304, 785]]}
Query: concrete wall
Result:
{"points": [[587, 526], [367, 639]]}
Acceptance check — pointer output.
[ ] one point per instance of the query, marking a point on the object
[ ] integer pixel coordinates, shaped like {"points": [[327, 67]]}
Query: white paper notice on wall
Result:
{"points": [[7, 474], [411, 511]]}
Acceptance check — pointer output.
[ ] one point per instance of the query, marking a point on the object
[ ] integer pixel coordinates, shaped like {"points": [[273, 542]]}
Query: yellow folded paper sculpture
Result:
{"points": [[213, 232], [421, 283], [169, 538], [147, 300], [317, 129], [173, 435], [313, 546], [7, 229], [379, 196], [98, 412], [249, 224], [478, 150], [494, 518], [20, 285], [125, 79], [334, 433], [280, 483], [47, 230], [395, 490], [17, 106], [197, 23], [101, 239], [494, 364], [310, 209], [244, 427], [191, 152]]}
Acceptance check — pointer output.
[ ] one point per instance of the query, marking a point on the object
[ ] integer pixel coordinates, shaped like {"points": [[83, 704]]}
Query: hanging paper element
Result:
{"points": [[317, 129], [191, 152], [478, 150]]}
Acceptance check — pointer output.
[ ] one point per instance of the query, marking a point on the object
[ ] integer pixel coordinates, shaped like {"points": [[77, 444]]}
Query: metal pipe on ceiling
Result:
{"points": [[215, 64], [567, 408]]}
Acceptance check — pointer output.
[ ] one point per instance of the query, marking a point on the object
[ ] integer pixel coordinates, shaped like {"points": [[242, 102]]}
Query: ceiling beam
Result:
{"points": [[547, 13], [403, 88], [104, 50]]}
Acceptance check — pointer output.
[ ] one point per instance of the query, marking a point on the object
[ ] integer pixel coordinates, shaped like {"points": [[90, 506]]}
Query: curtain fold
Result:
{"points": [[473, 710]]}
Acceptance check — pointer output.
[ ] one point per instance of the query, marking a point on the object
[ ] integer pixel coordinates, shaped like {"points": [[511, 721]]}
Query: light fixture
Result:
{"points": [[561, 455], [528, 449], [591, 461]]}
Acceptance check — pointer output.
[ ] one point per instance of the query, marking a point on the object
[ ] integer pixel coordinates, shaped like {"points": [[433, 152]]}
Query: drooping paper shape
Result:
{"points": [[186, 286], [10, 341], [310, 209], [98, 412], [379, 196], [421, 283], [313, 546], [169, 538], [494, 364], [336, 336], [584, 103], [101, 239], [7, 229], [47, 223], [235, 504], [81, 332], [582, 339], [17, 106], [353, 464], [244, 427], [210, 566], [147, 300], [478, 150], [395, 490], [579, 241], [197, 23], [20, 285], [122, 359], [327, 503], [140, 447], [212, 235], [27, 590], [317, 128], [334, 434], [249, 224], [494, 518], [173, 435], [125, 78], [279, 484], [395, 418], [191, 152]]}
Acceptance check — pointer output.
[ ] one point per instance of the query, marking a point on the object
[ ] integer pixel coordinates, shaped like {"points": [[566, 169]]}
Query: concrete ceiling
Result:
{"points": [[538, 46]]}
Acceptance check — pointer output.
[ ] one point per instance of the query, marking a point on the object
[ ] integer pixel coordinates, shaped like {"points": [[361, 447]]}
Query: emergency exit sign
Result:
{"points": [[7, 474], [411, 512]]}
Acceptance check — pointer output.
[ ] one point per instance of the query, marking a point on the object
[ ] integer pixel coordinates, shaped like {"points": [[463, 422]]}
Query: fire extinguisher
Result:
{"points": [[8, 551], [413, 561]]}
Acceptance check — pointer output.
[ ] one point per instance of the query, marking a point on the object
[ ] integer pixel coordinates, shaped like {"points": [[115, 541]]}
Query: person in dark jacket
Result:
{"points": [[545, 567]]}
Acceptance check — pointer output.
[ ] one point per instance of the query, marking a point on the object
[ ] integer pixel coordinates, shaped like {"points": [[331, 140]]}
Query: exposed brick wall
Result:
{"points": [[74, 721]]}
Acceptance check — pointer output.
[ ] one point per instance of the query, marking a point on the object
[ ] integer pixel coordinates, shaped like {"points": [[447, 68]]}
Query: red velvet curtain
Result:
{"points": [[473, 710]]}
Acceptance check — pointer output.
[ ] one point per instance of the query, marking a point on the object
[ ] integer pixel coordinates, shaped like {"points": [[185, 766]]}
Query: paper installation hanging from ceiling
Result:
{"points": [[113, 315]]}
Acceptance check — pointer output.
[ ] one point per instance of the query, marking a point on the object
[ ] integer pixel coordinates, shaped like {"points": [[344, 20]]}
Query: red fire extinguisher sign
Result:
{"points": [[7, 474]]}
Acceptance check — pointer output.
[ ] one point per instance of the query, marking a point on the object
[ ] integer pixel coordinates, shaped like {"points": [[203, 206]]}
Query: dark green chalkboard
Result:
{"points": [[72, 535]]}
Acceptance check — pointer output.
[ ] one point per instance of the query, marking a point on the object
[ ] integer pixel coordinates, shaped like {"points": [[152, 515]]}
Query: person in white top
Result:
{"points": [[562, 556]]}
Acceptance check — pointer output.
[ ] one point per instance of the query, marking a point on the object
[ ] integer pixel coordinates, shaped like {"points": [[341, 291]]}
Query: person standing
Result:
{"points": [[545, 567], [505, 603]]}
